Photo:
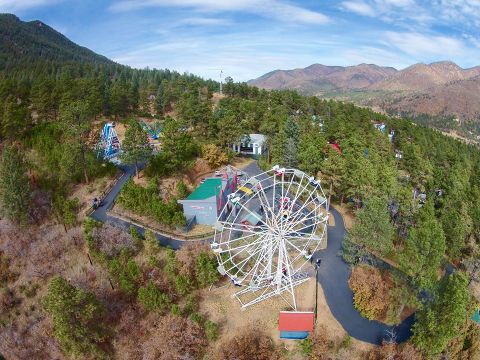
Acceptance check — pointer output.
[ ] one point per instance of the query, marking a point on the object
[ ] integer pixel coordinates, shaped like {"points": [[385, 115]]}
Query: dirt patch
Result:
{"points": [[85, 193], [216, 97], [347, 214], [475, 289], [241, 162], [220, 306]]}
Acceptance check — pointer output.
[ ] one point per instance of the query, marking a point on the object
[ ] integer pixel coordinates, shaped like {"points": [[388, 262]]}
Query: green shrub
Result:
{"points": [[152, 299], [206, 270], [175, 309], [211, 330], [183, 285], [197, 318], [152, 246], [346, 342], [171, 263], [77, 320], [146, 202], [191, 305], [126, 271], [306, 346], [182, 190], [153, 261]]}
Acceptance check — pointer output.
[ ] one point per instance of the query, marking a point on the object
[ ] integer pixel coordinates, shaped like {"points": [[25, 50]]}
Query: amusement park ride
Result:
{"points": [[109, 145], [152, 130], [265, 236]]}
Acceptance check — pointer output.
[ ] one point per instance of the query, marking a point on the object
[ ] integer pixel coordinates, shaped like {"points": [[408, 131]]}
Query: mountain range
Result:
{"points": [[440, 89]]}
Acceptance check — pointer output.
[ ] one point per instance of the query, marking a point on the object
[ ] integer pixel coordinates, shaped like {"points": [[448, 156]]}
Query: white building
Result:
{"points": [[252, 144]]}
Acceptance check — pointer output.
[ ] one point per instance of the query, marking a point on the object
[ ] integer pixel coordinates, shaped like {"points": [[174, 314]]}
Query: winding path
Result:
{"points": [[333, 274]]}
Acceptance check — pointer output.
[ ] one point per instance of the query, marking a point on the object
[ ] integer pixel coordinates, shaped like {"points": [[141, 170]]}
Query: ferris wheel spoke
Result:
{"points": [[267, 207], [317, 218], [242, 228], [295, 200], [253, 214], [243, 262], [237, 247], [307, 202]]}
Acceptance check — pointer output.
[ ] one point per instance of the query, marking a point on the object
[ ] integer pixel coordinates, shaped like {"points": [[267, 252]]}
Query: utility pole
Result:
{"points": [[221, 79], [221, 82]]}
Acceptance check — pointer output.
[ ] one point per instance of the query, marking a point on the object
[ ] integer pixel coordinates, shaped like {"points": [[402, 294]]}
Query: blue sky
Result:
{"points": [[247, 38]]}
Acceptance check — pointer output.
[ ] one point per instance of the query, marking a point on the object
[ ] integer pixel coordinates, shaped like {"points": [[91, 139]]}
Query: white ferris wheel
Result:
{"points": [[267, 231]]}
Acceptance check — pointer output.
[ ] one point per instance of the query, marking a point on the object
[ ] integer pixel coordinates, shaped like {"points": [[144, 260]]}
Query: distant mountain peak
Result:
{"points": [[318, 78]]}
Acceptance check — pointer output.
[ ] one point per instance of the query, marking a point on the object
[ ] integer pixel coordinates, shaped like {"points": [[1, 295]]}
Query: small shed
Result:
{"points": [[295, 325]]}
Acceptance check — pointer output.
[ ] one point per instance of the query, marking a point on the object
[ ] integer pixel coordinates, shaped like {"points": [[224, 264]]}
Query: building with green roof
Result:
{"points": [[203, 204]]}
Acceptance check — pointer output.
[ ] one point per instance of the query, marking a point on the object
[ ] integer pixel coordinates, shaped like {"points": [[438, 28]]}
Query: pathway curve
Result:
{"points": [[333, 274]]}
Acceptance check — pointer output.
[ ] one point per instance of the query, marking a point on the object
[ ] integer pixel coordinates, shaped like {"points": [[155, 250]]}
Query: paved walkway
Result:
{"points": [[333, 274]]}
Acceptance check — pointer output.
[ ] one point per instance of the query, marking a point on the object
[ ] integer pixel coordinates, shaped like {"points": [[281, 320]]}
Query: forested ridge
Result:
{"points": [[416, 198]]}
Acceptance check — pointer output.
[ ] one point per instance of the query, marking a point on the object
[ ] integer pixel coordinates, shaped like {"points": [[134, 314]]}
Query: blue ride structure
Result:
{"points": [[109, 145], [152, 130]]}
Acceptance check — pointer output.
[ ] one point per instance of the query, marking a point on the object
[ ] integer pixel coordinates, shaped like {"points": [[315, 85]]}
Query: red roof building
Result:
{"points": [[296, 321]]}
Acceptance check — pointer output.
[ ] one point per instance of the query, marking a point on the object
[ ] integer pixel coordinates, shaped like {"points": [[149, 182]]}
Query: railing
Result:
{"points": [[105, 192], [163, 232]]}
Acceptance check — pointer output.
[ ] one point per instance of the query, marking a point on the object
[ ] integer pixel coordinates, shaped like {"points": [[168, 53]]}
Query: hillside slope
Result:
{"points": [[22, 42]]}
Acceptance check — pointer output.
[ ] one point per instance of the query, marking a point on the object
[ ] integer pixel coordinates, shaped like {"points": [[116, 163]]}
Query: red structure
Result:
{"points": [[295, 324], [335, 147]]}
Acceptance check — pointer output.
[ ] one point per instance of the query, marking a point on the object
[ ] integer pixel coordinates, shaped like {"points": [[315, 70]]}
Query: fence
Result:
{"points": [[162, 232]]}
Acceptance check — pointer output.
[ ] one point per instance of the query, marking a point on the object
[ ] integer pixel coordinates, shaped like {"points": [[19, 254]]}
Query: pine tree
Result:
{"points": [[136, 147], [15, 195], [76, 125], [456, 224], [15, 118], [77, 319], [424, 249], [440, 320], [333, 172], [373, 227]]}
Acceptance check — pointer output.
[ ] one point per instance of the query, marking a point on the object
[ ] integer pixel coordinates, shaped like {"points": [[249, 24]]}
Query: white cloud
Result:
{"points": [[267, 8], [359, 7], [422, 45], [204, 21], [16, 5]]}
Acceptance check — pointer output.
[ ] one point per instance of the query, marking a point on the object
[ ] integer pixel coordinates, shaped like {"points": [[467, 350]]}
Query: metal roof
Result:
{"points": [[296, 321], [209, 188]]}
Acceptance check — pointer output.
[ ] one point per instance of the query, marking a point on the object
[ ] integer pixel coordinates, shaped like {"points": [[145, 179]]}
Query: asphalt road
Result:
{"points": [[333, 274]]}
